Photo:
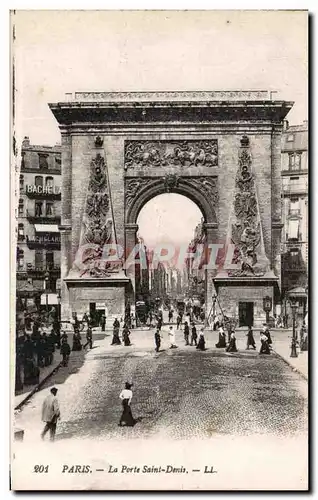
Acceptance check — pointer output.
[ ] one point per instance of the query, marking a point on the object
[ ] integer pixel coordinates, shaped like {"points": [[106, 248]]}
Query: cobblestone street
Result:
{"points": [[213, 392], [242, 412]]}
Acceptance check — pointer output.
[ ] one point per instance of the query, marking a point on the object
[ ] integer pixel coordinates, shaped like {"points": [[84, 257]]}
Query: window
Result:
{"points": [[21, 207], [38, 208], [43, 163], [20, 258], [291, 161], [22, 160], [293, 229], [20, 232], [294, 206], [38, 180], [21, 182], [290, 138], [49, 259], [58, 162], [49, 182], [49, 208], [294, 161], [297, 161], [38, 259]]}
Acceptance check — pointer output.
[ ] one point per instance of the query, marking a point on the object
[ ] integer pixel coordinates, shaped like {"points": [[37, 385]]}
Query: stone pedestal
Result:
{"points": [[233, 292], [109, 291]]}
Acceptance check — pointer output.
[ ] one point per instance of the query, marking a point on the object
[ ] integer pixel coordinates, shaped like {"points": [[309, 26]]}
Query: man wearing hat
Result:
{"points": [[50, 414]]}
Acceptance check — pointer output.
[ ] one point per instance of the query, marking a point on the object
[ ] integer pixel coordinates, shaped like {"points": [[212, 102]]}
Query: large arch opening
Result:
{"points": [[170, 227]]}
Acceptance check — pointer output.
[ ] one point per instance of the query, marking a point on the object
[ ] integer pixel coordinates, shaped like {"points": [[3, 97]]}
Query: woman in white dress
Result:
{"points": [[126, 417]]}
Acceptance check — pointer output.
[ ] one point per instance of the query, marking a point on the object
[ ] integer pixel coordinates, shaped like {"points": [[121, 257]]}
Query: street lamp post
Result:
{"points": [[46, 280], [59, 305], [294, 307]]}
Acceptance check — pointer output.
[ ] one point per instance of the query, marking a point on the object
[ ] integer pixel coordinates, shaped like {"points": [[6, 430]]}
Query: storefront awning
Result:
{"points": [[46, 228], [51, 299]]}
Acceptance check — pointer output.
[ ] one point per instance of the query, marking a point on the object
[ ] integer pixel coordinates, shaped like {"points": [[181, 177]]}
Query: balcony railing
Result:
{"points": [[295, 189], [34, 216], [294, 171], [294, 211]]}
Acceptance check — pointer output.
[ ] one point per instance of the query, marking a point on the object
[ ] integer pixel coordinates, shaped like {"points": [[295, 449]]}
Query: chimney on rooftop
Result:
{"points": [[26, 142]]}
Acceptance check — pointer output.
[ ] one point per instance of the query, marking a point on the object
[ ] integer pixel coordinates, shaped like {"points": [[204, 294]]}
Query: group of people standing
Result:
{"points": [[36, 351], [265, 338]]}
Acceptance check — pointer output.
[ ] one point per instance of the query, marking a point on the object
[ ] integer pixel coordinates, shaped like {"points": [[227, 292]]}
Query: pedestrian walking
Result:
{"points": [[232, 344], [64, 337], [194, 335], [31, 371], [126, 334], [89, 337], [150, 316], [116, 339], [75, 322], [65, 351], [103, 322], [172, 338], [250, 339], [50, 347], [264, 344], [85, 318], [50, 414], [159, 323], [126, 418], [222, 340], [170, 315], [201, 342], [77, 342], [179, 321], [186, 333], [41, 350], [157, 340]]}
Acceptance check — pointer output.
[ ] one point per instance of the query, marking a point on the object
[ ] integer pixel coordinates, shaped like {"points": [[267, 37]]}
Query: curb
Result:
{"points": [[37, 387], [291, 366]]}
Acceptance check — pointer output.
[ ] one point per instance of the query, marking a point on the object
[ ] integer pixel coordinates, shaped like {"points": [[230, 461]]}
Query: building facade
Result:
{"points": [[295, 216], [38, 218], [221, 149]]}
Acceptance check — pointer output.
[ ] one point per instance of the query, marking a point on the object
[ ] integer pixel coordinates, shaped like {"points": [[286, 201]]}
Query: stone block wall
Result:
{"points": [[229, 297], [113, 297]]}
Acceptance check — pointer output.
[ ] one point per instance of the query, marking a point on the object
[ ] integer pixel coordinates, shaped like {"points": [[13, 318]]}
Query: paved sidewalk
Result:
{"points": [[46, 372], [282, 347]]}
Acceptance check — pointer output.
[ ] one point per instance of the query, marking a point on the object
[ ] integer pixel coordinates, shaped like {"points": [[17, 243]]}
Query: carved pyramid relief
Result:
{"points": [[97, 228], [245, 227]]}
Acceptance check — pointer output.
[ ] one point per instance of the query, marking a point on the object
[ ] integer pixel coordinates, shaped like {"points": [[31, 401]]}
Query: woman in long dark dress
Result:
{"points": [[232, 344], [222, 340], [201, 342], [116, 339], [250, 339], [77, 342], [264, 344], [126, 334], [126, 417]]}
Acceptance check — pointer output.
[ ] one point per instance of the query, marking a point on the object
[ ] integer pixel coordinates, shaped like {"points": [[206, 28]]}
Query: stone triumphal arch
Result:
{"points": [[220, 149]]}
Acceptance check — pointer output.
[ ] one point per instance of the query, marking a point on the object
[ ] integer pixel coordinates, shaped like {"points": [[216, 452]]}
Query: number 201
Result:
{"points": [[41, 468]]}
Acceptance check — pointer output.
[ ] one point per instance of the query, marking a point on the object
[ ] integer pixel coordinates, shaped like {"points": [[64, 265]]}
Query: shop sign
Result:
{"points": [[31, 188]]}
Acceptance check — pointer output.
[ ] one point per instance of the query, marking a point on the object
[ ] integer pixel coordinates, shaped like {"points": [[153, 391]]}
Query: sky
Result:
{"points": [[159, 210], [58, 52]]}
